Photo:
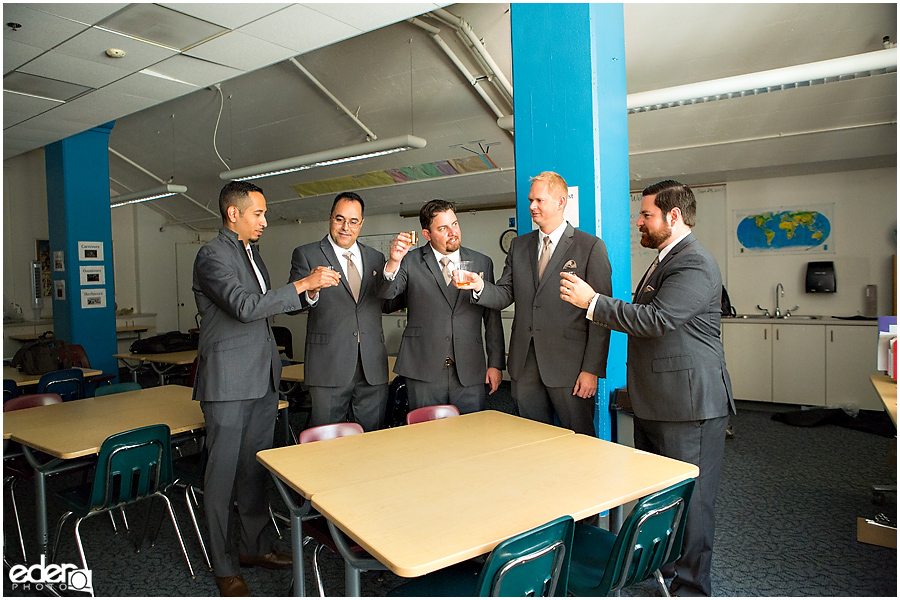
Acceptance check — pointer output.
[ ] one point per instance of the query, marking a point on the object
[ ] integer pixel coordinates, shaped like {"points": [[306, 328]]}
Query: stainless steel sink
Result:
{"points": [[800, 317], [753, 317]]}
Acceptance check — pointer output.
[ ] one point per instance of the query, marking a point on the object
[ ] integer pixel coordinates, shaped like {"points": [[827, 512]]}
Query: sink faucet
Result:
{"points": [[779, 292]]}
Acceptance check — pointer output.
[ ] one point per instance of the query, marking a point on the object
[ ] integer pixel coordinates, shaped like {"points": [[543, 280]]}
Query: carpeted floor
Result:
{"points": [[786, 525]]}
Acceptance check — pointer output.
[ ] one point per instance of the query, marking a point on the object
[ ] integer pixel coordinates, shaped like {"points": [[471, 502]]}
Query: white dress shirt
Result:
{"points": [[259, 277], [357, 262]]}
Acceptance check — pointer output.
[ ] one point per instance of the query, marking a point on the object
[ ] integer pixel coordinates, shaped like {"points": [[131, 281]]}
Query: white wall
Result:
{"points": [[864, 233], [24, 221]]}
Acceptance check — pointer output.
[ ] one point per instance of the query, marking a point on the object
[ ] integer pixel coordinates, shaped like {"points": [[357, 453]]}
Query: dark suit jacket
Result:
{"points": [[565, 343], [237, 350], [443, 322], [336, 319], [676, 362]]}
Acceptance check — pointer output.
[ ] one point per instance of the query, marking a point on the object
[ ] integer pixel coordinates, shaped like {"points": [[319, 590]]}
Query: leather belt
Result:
{"points": [[448, 362]]}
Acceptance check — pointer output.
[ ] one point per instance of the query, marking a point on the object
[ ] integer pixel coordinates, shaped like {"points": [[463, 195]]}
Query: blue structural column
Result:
{"points": [[81, 228], [570, 117]]}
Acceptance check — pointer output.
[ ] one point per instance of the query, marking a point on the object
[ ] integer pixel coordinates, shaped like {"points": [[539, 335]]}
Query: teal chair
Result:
{"points": [[117, 388], [131, 466], [603, 563], [68, 383], [533, 563]]}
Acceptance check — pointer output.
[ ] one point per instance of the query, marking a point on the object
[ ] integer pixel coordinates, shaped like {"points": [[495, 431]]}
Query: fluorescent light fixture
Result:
{"points": [[826, 71], [151, 194], [325, 158]]}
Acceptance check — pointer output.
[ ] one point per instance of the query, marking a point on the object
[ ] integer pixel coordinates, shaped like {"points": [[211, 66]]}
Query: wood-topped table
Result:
{"points": [[77, 429], [23, 379], [489, 475], [887, 391], [162, 363]]}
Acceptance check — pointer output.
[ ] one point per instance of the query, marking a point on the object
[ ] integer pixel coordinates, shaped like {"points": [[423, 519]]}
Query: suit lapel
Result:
{"points": [[432, 265], [257, 259], [367, 268], [654, 277], [335, 264]]}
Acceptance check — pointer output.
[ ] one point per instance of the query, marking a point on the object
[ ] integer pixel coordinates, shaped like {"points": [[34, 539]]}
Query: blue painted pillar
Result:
{"points": [[570, 117], [81, 228]]}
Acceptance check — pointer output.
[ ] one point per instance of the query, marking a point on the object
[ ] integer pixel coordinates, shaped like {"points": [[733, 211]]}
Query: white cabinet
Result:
{"points": [[850, 355], [798, 365], [748, 356], [808, 364]]}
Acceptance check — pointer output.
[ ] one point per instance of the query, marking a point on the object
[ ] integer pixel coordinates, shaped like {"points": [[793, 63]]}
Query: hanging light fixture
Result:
{"points": [[326, 157], [151, 194]]}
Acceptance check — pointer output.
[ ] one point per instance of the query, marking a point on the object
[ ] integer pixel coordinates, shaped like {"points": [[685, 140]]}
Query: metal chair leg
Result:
{"points": [[188, 494], [177, 531], [662, 584], [59, 527], [80, 545], [12, 497], [275, 523], [318, 573]]}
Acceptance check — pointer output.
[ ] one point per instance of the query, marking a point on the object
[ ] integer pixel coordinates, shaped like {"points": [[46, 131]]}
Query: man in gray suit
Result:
{"points": [[679, 387], [555, 356], [346, 361], [238, 372], [442, 353]]}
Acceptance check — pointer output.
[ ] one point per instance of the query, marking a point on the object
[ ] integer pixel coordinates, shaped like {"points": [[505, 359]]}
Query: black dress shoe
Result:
{"points": [[233, 585], [272, 560]]}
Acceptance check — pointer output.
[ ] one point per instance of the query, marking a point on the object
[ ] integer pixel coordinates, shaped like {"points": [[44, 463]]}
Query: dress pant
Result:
{"points": [[356, 401], [700, 443], [538, 402], [446, 389], [235, 432]]}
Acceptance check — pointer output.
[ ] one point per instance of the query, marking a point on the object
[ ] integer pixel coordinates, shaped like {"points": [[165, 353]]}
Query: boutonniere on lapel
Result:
{"points": [[374, 273], [649, 288], [570, 265]]}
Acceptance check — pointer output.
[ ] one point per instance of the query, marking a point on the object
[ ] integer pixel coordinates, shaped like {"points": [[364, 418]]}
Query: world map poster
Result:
{"points": [[794, 230]]}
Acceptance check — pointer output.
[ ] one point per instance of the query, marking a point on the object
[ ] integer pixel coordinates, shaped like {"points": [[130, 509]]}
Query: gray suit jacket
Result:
{"points": [[442, 322], [237, 351], [676, 362], [336, 319], [565, 343]]}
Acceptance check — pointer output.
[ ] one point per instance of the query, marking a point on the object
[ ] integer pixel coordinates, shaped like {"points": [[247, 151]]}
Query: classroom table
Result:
{"points": [[494, 474], [30, 337], [71, 433], [868, 530], [24, 379], [295, 373], [887, 391], [162, 363]]}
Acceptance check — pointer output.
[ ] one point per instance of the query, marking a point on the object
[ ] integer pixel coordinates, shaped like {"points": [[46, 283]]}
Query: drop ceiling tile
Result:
{"points": [[227, 15], [93, 44], [14, 148], [46, 123], [240, 51], [370, 16], [160, 25], [43, 87], [300, 29], [17, 108], [16, 54], [88, 13], [57, 65], [193, 70], [116, 104], [81, 111], [148, 86], [38, 29]]}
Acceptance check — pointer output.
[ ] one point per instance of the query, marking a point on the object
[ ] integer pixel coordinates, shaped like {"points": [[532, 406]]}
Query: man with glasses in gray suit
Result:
{"points": [[679, 387], [238, 372]]}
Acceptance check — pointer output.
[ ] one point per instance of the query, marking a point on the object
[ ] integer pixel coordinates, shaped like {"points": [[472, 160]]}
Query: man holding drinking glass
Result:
{"points": [[442, 354]]}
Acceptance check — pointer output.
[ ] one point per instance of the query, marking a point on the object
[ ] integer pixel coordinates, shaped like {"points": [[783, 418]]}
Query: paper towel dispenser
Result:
{"points": [[820, 277]]}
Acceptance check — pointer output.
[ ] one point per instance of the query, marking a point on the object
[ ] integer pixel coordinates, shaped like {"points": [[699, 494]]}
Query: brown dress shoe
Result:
{"points": [[272, 560], [233, 585]]}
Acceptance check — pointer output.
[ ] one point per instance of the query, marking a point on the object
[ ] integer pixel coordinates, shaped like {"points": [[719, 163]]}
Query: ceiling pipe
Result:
{"points": [[473, 81], [461, 25], [143, 170], [318, 84]]}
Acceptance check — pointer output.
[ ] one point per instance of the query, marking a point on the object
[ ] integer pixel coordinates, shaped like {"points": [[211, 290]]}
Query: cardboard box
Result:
{"points": [[870, 532]]}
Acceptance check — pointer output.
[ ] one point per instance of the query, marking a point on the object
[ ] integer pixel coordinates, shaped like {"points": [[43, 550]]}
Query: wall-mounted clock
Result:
{"points": [[506, 239]]}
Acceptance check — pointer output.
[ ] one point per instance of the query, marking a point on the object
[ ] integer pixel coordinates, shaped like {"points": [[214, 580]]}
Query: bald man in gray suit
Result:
{"points": [[238, 372], [679, 387]]}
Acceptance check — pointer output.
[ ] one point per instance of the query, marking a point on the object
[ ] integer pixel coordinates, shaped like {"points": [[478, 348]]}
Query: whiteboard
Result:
{"points": [[710, 230]]}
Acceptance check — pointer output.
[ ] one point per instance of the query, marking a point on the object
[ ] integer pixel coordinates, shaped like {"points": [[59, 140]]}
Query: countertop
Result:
{"points": [[800, 320]]}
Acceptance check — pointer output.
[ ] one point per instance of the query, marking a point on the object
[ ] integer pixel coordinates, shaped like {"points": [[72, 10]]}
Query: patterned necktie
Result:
{"points": [[448, 275], [545, 257], [352, 276], [652, 268]]}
